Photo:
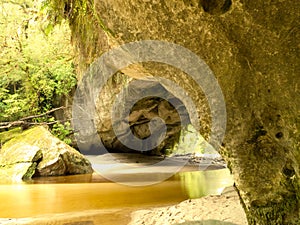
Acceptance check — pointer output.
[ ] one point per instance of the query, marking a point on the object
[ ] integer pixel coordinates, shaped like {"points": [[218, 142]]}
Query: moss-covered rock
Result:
{"points": [[19, 161], [37, 152], [10, 134]]}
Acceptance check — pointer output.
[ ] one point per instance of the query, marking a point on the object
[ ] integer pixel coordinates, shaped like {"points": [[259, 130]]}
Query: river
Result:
{"points": [[80, 195]]}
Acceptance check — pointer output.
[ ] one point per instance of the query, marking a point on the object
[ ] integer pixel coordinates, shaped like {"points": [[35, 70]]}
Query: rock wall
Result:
{"points": [[134, 115], [252, 48]]}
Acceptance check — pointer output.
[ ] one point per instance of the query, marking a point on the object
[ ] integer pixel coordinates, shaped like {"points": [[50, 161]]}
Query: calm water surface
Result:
{"points": [[81, 193]]}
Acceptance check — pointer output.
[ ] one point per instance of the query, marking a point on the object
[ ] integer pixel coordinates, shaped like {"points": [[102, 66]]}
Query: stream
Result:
{"points": [[82, 195]]}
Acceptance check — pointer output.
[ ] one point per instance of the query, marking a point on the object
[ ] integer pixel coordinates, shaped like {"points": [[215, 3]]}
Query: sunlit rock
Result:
{"points": [[36, 152], [190, 141]]}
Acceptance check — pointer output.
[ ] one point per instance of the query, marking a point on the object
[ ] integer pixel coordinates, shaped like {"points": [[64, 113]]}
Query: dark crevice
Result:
{"points": [[279, 135], [288, 171], [216, 7]]}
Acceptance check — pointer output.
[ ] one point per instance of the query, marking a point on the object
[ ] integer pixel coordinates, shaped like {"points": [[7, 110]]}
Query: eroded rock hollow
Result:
{"points": [[252, 47]]}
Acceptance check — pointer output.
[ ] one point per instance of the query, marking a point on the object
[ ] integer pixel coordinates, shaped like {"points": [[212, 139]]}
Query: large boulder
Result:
{"points": [[36, 152]]}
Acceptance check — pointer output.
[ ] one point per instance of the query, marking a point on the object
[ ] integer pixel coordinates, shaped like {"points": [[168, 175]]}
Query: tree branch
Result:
{"points": [[27, 124], [43, 114], [24, 121]]}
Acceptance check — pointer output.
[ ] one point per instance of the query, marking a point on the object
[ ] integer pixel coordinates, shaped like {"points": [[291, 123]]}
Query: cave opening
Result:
{"points": [[148, 124], [147, 108]]}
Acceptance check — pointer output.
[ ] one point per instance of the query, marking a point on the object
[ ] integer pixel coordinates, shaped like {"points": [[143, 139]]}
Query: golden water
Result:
{"points": [[82, 193]]}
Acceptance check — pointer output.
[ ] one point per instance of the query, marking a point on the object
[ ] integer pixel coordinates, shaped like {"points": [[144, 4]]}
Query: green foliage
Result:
{"points": [[83, 19], [36, 61], [63, 132]]}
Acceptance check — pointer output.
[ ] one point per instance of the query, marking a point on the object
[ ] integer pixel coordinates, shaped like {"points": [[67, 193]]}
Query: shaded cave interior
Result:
{"points": [[147, 110]]}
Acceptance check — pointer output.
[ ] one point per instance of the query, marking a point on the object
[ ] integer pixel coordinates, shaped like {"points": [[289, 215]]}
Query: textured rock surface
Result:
{"points": [[7, 135], [19, 161], [37, 152], [137, 112], [132, 115], [253, 49]]}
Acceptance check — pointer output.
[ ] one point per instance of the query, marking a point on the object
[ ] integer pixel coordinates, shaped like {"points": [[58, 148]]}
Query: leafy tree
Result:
{"points": [[36, 60]]}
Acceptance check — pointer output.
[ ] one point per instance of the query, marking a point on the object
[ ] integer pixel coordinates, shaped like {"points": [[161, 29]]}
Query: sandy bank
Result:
{"points": [[210, 210]]}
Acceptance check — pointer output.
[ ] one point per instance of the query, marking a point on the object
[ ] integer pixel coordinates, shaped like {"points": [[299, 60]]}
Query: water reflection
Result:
{"points": [[86, 192], [197, 184]]}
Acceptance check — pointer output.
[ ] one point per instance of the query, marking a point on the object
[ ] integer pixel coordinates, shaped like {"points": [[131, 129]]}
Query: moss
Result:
{"points": [[283, 210], [30, 172], [83, 22], [26, 136], [37, 151], [250, 51], [189, 140], [8, 135]]}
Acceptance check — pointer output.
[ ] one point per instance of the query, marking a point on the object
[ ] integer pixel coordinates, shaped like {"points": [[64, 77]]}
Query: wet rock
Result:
{"points": [[36, 152]]}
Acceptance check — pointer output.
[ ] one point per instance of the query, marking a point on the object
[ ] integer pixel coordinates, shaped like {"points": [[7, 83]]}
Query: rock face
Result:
{"points": [[136, 107], [36, 152], [252, 47], [137, 113]]}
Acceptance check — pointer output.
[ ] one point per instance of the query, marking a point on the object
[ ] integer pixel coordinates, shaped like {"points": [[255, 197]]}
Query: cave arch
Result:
{"points": [[250, 50]]}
